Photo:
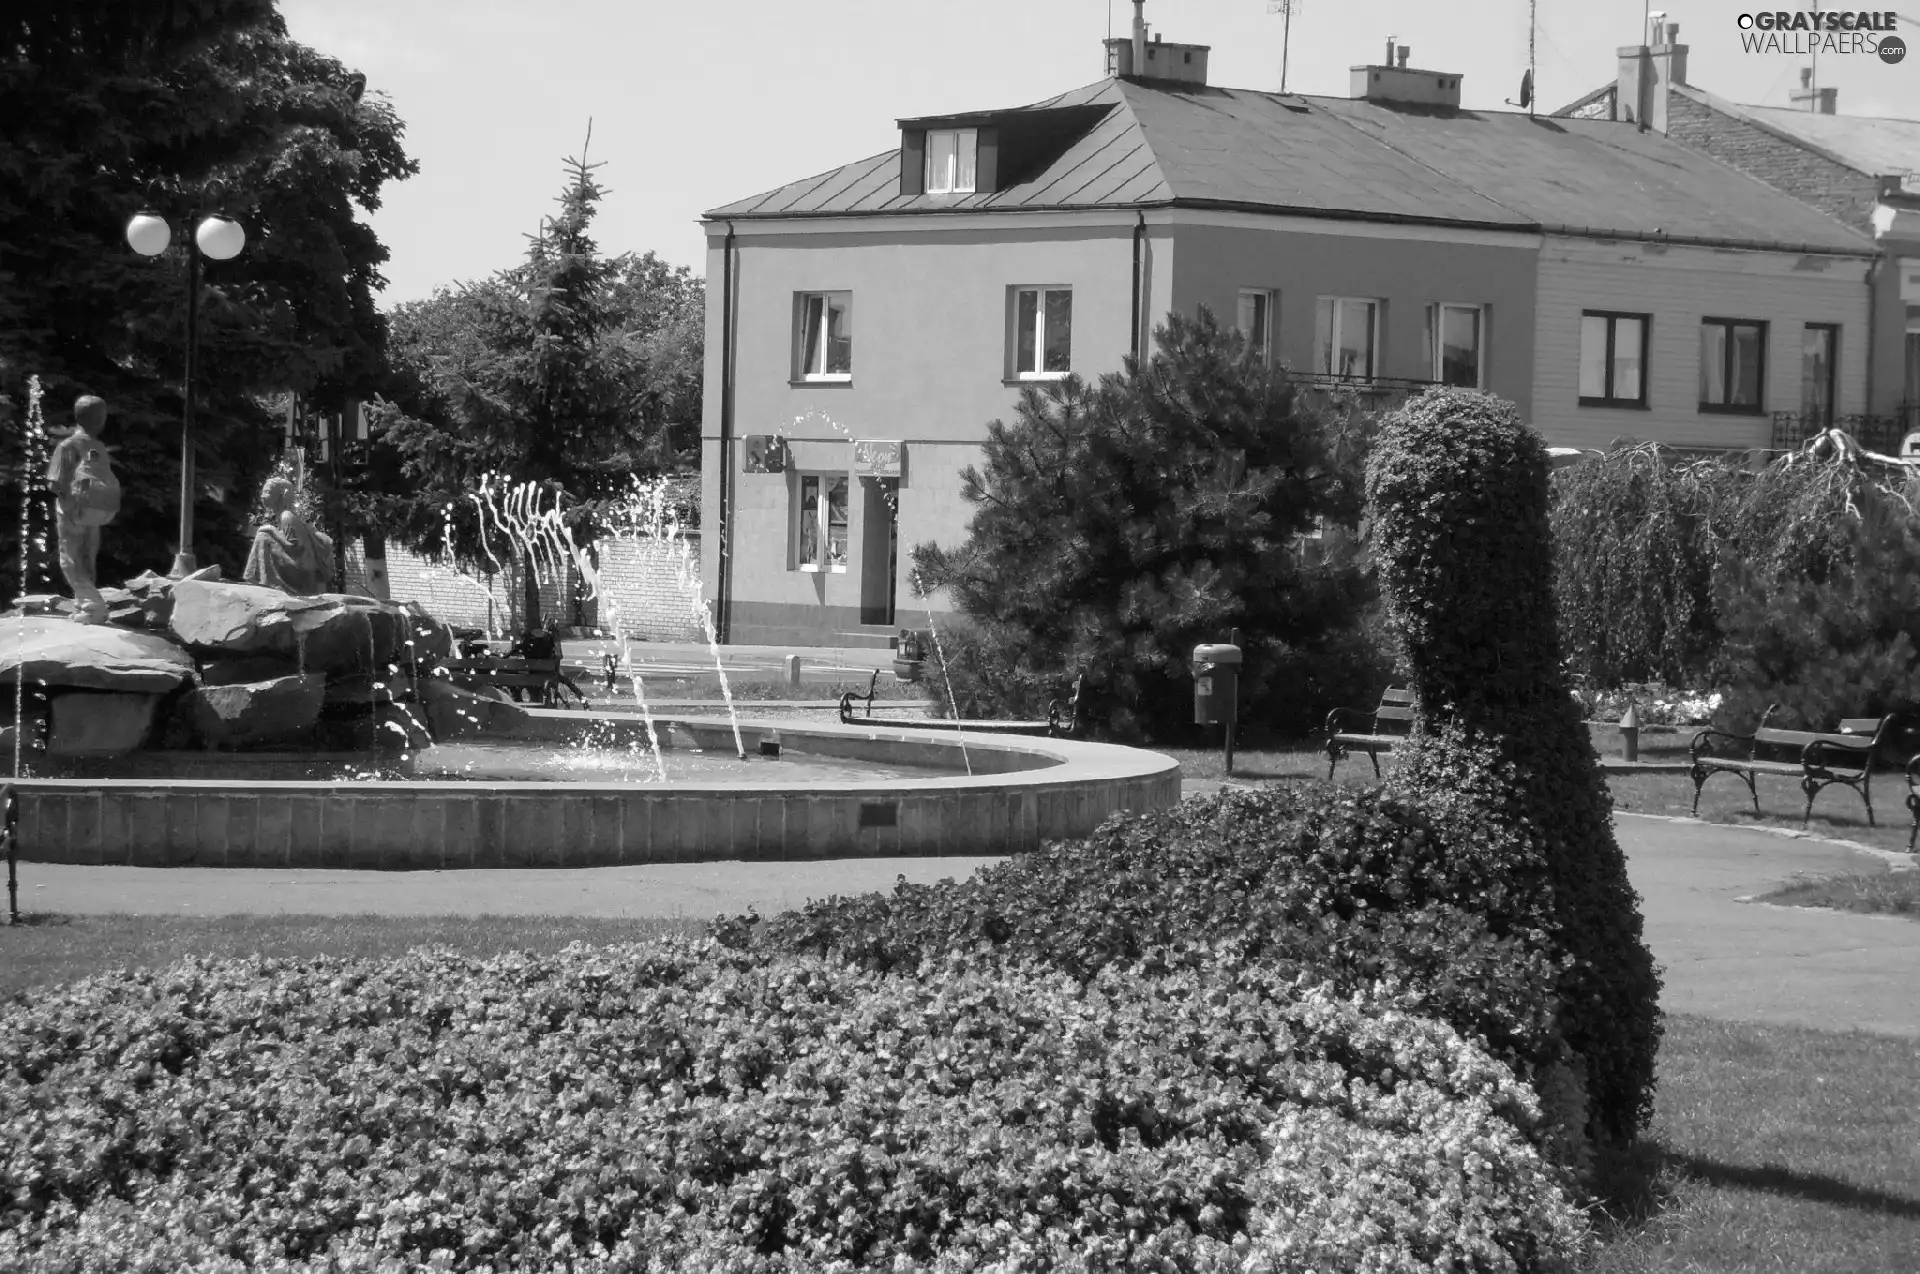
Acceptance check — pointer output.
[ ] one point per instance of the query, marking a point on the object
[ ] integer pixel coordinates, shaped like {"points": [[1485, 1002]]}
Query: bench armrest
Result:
{"points": [[1813, 756], [1337, 719], [1703, 744]]}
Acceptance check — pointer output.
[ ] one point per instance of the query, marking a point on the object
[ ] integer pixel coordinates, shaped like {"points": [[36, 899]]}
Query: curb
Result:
{"points": [[1895, 859]]}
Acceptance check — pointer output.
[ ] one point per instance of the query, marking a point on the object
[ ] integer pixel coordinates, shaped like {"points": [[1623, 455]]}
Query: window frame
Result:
{"points": [[1833, 369], [1269, 299], [971, 139], [1041, 292], [1758, 408], [823, 563], [803, 304], [1336, 326], [1610, 398], [1436, 341]]}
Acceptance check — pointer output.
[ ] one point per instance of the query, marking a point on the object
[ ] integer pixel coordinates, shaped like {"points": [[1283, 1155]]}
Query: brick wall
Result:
{"points": [[649, 587], [1835, 189]]}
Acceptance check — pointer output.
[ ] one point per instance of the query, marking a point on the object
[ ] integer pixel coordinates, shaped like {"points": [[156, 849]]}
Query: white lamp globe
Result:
{"points": [[148, 234], [220, 237]]}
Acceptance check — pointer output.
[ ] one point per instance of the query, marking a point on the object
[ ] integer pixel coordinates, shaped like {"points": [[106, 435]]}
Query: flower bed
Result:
{"points": [[690, 1106]]}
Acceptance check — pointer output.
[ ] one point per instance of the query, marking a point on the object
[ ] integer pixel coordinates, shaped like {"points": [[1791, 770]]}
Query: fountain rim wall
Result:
{"points": [[429, 824]]}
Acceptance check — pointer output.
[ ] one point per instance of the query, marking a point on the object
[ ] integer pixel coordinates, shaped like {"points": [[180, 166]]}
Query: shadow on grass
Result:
{"points": [[42, 919], [1634, 1184]]}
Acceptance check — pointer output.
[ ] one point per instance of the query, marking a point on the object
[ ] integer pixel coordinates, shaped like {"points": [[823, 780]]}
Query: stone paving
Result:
{"points": [[1722, 957]]}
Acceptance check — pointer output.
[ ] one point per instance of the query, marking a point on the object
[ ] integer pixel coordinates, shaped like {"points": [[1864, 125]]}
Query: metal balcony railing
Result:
{"points": [[1375, 394], [1881, 433]]}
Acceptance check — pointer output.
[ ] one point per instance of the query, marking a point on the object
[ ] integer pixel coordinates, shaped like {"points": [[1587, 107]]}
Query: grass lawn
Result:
{"points": [[1773, 1148], [1895, 894]]}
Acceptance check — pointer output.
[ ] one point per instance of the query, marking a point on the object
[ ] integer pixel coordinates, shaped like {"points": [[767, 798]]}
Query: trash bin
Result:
{"points": [[1216, 684]]}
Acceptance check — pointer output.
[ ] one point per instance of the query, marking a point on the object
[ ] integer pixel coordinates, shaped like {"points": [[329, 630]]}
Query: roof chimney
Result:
{"points": [[1139, 37], [1821, 101], [1390, 47], [1405, 53], [1648, 74], [1404, 84]]}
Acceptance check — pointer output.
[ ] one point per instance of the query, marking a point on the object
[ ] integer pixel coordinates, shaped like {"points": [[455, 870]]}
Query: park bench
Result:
{"points": [[1063, 718], [1818, 759], [542, 680], [1357, 730], [1913, 797]]}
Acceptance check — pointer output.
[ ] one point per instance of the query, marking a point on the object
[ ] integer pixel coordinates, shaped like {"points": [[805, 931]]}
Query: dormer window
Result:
{"points": [[951, 155]]}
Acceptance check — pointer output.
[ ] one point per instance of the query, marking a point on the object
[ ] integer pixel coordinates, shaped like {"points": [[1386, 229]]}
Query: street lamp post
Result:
{"points": [[219, 237]]}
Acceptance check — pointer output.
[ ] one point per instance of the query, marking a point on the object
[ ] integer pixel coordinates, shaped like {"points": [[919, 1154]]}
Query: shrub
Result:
{"points": [[683, 1106], [1327, 883], [1117, 526], [1457, 501]]}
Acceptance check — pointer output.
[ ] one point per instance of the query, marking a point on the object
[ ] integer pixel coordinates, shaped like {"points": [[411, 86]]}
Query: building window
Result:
{"points": [[1456, 344], [951, 154], [1733, 365], [820, 523], [1042, 331], [1256, 320], [826, 336], [1613, 359], [1346, 332], [1819, 351]]}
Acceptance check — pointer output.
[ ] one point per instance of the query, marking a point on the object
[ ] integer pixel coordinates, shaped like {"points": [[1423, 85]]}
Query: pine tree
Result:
{"points": [[1119, 525], [558, 371]]}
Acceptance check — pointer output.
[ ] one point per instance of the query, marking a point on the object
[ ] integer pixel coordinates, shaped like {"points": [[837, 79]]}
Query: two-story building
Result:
{"points": [[1864, 172], [865, 324]]}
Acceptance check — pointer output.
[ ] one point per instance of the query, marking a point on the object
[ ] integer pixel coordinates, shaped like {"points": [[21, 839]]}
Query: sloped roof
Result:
{"points": [[1876, 147], [1162, 144]]}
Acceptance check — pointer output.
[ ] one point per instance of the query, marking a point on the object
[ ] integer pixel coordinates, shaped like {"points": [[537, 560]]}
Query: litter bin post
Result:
{"points": [[1216, 689]]}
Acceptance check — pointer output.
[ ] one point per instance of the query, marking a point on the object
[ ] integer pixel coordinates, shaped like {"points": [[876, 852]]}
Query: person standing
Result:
{"points": [[86, 498]]}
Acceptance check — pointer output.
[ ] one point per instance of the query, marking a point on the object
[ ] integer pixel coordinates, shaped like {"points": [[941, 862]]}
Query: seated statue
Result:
{"points": [[288, 554]]}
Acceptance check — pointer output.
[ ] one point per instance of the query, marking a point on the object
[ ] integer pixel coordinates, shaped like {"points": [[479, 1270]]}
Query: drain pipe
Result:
{"points": [[724, 578], [1139, 238]]}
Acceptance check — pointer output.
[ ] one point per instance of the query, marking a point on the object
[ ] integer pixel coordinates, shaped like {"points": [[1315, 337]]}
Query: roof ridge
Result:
{"points": [[1713, 101]]}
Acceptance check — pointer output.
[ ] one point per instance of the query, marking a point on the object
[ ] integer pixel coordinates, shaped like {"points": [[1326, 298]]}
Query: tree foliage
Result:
{"points": [[1457, 500], [1120, 524], [114, 108], [572, 370], [1791, 583]]}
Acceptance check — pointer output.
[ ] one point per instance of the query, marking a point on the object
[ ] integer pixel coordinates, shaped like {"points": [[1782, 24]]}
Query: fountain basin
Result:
{"points": [[1021, 794]]}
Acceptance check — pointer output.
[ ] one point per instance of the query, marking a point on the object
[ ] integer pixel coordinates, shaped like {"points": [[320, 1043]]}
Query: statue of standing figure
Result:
{"points": [[288, 553], [86, 498]]}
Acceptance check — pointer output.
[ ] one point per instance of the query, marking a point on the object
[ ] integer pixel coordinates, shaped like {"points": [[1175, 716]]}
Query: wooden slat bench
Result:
{"points": [[1357, 730], [1913, 798], [1062, 718], [543, 678], [1818, 759]]}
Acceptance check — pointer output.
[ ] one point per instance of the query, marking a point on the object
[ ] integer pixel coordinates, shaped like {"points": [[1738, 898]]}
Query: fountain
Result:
{"points": [[513, 786]]}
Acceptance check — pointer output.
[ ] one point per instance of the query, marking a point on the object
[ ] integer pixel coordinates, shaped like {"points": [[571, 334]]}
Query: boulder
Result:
{"points": [[235, 669], [454, 712], [431, 642], [59, 652], [365, 687], [237, 619], [257, 711], [350, 634], [100, 723], [386, 727]]}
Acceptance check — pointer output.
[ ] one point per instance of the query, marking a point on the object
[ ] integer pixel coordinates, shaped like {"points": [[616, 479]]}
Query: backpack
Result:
{"points": [[95, 491]]}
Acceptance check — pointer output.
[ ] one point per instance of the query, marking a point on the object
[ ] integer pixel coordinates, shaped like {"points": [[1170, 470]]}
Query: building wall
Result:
{"points": [[1840, 191], [648, 591], [1679, 286], [930, 327], [1406, 267]]}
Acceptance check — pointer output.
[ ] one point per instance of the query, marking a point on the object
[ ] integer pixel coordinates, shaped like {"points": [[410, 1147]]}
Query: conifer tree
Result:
{"points": [[1119, 525]]}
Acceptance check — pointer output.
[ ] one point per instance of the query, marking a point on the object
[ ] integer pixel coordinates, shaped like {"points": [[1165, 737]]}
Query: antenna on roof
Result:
{"points": [[1526, 81], [1286, 33]]}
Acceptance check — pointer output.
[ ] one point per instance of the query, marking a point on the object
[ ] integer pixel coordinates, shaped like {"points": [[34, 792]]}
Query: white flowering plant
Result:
{"points": [[1658, 704]]}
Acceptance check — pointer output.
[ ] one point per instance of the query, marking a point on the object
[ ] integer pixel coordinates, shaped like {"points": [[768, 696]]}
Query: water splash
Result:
{"points": [[32, 468], [959, 727]]}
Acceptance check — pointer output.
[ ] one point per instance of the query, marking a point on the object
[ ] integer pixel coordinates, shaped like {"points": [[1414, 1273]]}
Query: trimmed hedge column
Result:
{"points": [[1457, 495]]}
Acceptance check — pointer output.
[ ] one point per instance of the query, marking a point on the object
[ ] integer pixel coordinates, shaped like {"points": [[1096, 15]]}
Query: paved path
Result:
{"points": [[1722, 958]]}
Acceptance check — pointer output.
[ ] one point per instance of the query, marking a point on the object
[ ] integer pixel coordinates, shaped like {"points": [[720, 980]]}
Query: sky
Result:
{"points": [[697, 103]]}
